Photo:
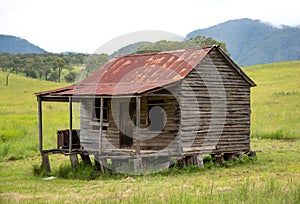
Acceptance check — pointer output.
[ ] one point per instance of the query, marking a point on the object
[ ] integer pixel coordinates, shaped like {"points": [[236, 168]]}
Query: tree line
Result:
{"points": [[198, 41], [66, 67], [51, 67]]}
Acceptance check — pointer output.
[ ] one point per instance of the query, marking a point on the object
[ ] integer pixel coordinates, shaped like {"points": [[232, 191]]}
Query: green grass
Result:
{"points": [[18, 116], [276, 100], [273, 178]]}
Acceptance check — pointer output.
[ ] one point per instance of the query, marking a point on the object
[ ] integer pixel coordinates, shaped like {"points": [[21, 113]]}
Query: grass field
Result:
{"points": [[275, 100], [18, 121], [273, 178]]}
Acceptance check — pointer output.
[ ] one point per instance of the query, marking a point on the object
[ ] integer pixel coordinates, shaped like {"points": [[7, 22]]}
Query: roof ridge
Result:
{"points": [[166, 51]]}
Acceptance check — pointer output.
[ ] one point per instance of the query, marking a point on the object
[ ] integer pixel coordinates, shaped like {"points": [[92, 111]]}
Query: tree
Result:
{"points": [[202, 41], [47, 70], [95, 61], [17, 64], [39, 66], [198, 41], [70, 77], [6, 62], [164, 45], [58, 64], [53, 76], [28, 66]]}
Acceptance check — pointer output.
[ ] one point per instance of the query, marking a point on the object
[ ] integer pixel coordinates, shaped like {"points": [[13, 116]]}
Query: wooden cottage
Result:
{"points": [[182, 103]]}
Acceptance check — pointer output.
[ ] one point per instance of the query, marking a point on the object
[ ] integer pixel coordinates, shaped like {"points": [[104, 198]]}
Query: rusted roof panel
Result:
{"points": [[137, 73]]}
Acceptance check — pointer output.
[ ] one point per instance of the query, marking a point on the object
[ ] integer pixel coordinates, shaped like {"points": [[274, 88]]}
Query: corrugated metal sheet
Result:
{"points": [[137, 73]]}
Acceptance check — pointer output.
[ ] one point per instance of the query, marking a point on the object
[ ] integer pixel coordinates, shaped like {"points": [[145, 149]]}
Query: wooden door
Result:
{"points": [[126, 131]]}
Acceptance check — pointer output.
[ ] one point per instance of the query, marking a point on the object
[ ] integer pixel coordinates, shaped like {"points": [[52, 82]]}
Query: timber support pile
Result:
{"points": [[73, 157]]}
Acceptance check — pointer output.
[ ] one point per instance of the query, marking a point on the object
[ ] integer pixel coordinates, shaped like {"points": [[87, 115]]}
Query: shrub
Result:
{"points": [[39, 170], [82, 172]]}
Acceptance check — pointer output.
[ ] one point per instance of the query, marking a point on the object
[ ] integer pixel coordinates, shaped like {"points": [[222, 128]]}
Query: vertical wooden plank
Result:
{"points": [[101, 124], [70, 124], [40, 123], [138, 116], [199, 160], [138, 166], [180, 148], [103, 165], [74, 160], [45, 161]]}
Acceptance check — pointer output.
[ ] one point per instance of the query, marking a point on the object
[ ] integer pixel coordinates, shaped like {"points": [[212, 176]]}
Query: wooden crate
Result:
{"points": [[63, 139]]}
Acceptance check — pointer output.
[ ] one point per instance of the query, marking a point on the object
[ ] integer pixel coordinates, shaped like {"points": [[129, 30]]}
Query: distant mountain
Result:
{"points": [[253, 42], [15, 45], [132, 48]]}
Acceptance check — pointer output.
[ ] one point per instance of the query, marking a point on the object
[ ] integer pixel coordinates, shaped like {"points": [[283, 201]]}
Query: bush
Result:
{"points": [[39, 170], [64, 171], [82, 172]]}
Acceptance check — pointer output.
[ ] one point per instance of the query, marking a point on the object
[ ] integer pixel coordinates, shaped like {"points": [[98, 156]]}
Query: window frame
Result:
{"points": [[95, 121]]}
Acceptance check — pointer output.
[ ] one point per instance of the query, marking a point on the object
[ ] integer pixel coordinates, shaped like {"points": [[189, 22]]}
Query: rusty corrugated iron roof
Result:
{"points": [[136, 73]]}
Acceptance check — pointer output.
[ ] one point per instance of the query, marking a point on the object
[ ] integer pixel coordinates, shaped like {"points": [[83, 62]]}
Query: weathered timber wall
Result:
{"points": [[168, 140], [221, 122]]}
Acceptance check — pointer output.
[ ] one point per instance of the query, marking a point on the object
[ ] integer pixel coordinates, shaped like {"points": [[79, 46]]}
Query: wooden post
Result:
{"points": [[100, 164], [45, 161], [181, 163], [220, 157], [189, 161], [74, 160], [103, 165], [199, 160], [86, 159], [40, 118], [71, 125], [137, 166], [138, 115], [100, 128]]}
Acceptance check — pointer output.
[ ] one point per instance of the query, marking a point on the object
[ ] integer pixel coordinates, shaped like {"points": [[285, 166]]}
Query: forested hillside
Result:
{"points": [[253, 42]]}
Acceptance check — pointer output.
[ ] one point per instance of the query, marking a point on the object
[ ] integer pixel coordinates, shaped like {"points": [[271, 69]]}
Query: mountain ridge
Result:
{"points": [[16, 45], [253, 42]]}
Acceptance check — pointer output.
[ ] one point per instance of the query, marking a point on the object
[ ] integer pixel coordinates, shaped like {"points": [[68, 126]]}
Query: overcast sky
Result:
{"points": [[86, 25]]}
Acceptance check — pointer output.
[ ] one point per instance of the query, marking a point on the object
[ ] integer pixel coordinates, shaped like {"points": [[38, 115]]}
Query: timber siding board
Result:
{"points": [[216, 85]]}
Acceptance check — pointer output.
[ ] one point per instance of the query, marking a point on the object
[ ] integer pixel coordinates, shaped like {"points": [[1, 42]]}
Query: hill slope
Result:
{"points": [[15, 45], [275, 102], [18, 116], [252, 42], [129, 49]]}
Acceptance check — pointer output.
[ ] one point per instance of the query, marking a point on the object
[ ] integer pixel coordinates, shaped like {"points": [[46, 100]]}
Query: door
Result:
{"points": [[126, 129]]}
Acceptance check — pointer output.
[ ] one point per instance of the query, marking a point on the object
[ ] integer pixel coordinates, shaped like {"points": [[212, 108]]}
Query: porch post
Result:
{"points": [[101, 124], [40, 118], [138, 115], [71, 124]]}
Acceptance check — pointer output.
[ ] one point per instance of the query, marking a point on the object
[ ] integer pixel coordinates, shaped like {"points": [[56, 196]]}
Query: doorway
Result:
{"points": [[126, 129]]}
